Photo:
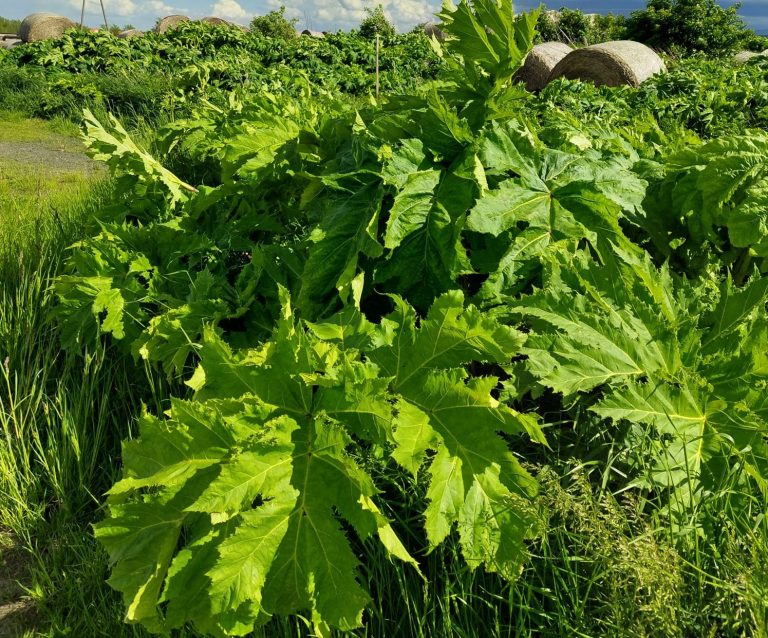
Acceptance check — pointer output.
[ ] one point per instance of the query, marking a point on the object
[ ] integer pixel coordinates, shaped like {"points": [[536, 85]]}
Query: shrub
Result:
{"points": [[572, 26], [376, 22], [275, 25], [689, 26]]}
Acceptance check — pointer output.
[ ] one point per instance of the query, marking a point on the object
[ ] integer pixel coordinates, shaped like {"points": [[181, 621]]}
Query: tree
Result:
{"points": [[275, 25], [608, 27], [689, 26], [546, 27], [376, 21], [575, 27], [9, 26]]}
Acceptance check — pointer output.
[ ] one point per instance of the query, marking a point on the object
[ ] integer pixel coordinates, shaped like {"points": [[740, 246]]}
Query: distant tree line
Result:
{"points": [[276, 25], [9, 26], [681, 27]]}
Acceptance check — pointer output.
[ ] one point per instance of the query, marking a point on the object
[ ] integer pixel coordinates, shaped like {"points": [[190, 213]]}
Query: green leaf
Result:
{"points": [[476, 482], [665, 355], [450, 336], [111, 143], [589, 331], [705, 435], [348, 230], [411, 206]]}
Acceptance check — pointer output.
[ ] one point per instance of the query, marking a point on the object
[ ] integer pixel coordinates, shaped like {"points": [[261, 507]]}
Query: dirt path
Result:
{"points": [[62, 157]]}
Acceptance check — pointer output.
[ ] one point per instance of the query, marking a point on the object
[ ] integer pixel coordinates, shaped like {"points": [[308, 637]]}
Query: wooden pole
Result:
{"points": [[104, 13], [377, 66], [82, 15]]}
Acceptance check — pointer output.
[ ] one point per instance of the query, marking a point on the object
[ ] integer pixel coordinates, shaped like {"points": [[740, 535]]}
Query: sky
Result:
{"points": [[312, 14]]}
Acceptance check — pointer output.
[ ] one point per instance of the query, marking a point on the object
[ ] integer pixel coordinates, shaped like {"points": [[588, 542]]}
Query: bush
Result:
{"points": [[573, 26], [275, 25], [546, 27], [376, 22], [689, 26], [608, 27], [754, 42]]}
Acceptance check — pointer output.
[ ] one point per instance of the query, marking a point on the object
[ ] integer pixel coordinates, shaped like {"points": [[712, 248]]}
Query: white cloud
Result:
{"points": [[346, 14], [158, 8], [230, 10], [121, 8]]}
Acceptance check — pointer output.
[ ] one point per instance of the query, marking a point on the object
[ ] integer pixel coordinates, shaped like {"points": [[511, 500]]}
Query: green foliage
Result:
{"points": [[574, 27], [683, 364], [162, 76], [688, 26], [275, 25], [724, 181], [9, 26], [402, 298], [376, 23], [703, 97], [245, 479]]}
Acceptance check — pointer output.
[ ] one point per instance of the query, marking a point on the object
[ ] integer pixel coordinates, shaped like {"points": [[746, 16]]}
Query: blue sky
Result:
{"points": [[313, 14]]}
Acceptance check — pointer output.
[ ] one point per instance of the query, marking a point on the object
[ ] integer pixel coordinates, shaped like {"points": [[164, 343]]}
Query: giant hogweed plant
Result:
{"points": [[684, 364], [327, 298], [229, 508]]}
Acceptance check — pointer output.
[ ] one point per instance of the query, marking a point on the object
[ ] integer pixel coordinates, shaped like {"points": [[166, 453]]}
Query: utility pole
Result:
{"points": [[103, 13]]}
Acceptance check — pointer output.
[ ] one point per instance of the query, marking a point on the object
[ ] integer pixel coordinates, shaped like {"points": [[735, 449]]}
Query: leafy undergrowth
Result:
{"points": [[422, 368]]}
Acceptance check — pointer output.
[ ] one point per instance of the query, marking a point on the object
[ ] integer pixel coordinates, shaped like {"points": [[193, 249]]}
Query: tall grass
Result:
{"points": [[9, 26], [133, 95]]}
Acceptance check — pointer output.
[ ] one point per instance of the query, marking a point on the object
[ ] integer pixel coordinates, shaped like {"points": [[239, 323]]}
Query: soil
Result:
{"points": [[64, 158], [16, 609]]}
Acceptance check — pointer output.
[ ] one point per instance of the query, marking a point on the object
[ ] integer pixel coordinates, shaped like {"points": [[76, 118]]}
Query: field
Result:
{"points": [[280, 358]]}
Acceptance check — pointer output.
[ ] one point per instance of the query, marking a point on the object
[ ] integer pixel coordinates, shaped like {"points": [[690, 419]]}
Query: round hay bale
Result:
{"points": [[216, 21], [130, 33], [431, 29], [169, 22], [742, 57], [44, 26], [610, 64], [313, 34], [539, 64]]}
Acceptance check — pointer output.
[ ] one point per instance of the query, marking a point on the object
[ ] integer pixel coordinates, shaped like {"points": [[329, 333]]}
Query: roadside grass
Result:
{"points": [[38, 198], [16, 127], [134, 95], [604, 566], [57, 411]]}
